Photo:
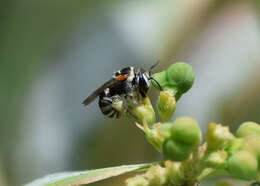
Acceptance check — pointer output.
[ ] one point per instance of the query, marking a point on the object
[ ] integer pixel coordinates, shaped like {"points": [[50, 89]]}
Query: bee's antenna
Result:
{"points": [[151, 78], [153, 66]]}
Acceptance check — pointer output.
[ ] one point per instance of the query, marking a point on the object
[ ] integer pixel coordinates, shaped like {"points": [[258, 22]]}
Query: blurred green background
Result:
{"points": [[53, 54]]}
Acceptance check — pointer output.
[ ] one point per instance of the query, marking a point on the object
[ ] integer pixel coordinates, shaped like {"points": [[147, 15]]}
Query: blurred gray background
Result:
{"points": [[53, 54]]}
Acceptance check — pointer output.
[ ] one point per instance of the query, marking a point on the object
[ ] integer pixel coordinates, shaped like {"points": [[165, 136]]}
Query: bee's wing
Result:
{"points": [[96, 93]]}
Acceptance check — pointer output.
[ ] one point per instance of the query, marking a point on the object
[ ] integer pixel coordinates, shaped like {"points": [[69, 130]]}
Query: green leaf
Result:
{"points": [[86, 177]]}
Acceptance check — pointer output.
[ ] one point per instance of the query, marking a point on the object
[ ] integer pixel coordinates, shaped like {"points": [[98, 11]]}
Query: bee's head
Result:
{"points": [[142, 80]]}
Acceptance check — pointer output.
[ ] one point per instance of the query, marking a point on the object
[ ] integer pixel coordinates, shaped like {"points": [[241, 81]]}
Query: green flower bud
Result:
{"points": [[156, 175], [137, 181], [217, 159], [174, 171], [234, 145], [176, 151], [186, 130], [157, 134], [217, 136], [178, 79], [144, 112], [181, 76], [252, 144], [248, 128], [166, 106], [242, 165]]}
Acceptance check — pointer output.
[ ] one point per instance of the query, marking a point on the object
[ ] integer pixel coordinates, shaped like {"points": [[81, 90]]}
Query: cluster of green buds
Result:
{"points": [[244, 152], [187, 159]]}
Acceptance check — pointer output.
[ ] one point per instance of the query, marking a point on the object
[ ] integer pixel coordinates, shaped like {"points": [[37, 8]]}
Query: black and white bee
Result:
{"points": [[128, 85]]}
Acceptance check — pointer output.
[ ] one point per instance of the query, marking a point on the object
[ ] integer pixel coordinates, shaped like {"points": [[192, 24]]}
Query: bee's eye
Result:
{"points": [[122, 77]]}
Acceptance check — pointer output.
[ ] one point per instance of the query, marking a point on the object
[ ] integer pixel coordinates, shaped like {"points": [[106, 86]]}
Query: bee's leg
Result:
{"points": [[129, 98], [130, 114], [111, 106], [133, 98], [131, 101]]}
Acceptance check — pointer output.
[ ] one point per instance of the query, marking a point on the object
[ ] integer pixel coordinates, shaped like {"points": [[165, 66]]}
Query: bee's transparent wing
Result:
{"points": [[96, 93]]}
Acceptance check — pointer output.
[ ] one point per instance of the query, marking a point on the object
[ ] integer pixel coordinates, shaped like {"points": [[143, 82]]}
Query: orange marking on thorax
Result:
{"points": [[122, 77]]}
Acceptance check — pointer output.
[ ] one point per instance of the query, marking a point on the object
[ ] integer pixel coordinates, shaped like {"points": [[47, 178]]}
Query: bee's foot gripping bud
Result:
{"points": [[144, 112]]}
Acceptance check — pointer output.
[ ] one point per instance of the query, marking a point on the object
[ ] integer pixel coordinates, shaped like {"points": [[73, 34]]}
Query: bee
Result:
{"points": [[128, 85]]}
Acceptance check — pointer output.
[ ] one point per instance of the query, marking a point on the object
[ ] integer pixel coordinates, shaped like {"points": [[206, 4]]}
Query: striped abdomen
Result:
{"points": [[110, 106]]}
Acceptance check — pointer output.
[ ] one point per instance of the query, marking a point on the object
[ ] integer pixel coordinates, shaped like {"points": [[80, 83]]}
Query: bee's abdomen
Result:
{"points": [[105, 104]]}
